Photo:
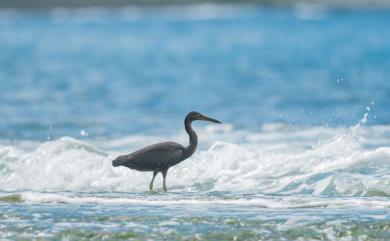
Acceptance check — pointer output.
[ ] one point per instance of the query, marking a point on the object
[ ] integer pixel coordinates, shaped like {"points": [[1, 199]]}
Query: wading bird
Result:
{"points": [[161, 156]]}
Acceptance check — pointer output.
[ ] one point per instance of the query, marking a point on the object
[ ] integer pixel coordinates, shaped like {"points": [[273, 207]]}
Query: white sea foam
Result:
{"points": [[277, 159], [263, 201]]}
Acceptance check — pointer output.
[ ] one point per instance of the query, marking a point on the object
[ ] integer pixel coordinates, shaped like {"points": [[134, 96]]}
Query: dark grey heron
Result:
{"points": [[161, 156]]}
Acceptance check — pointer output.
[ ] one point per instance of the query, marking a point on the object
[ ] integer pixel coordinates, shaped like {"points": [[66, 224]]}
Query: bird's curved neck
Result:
{"points": [[190, 149]]}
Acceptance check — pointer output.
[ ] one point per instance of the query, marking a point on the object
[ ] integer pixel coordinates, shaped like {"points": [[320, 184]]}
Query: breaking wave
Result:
{"points": [[277, 160]]}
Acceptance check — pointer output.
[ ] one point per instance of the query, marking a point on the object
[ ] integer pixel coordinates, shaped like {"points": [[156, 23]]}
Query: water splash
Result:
{"points": [[264, 162]]}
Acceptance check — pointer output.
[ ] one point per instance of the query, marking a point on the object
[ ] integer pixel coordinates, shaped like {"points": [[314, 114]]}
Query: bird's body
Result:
{"points": [[160, 157], [157, 157]]}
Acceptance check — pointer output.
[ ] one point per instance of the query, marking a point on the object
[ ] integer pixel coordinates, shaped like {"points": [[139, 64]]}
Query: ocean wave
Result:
{"points": [[277, 159], [153, 198]]}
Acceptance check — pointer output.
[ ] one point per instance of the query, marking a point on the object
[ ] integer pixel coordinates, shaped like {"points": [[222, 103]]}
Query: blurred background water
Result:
{"points": [[117, 72], [304, 91]]}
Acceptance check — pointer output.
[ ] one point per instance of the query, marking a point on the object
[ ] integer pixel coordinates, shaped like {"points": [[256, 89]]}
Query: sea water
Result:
{"points": [[303, 154]]}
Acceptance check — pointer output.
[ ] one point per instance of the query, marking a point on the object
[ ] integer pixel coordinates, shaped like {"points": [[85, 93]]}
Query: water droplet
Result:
{"points": [[83, 133]]}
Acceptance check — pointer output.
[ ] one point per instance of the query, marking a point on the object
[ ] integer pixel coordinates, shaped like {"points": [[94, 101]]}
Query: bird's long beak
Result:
{"points": [[210, 119]]}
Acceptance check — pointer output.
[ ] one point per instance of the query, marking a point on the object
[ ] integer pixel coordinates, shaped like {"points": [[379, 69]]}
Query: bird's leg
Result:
{"points": [[151, 182], [164, 173]]}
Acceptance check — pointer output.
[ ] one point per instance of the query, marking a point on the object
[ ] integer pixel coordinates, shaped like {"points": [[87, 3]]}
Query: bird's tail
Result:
{"points": [[119, 161]]}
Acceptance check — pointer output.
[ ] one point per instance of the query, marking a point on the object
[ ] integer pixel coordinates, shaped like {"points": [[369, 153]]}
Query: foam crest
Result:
{"points": [[322, 170], [152, 199], [65, 164], [156, 199], [264, 162]]}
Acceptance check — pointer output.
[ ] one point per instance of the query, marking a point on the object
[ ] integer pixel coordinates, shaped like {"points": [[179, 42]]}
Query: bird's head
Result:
{"points": [[193, 115]]}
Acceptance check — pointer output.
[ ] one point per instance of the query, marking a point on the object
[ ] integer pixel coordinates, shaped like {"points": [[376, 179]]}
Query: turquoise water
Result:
{"points": [[303, 154], [62, 71], [191, 222]]}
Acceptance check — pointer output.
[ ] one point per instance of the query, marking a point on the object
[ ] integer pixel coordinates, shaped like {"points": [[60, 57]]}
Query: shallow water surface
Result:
{"points": [[189, 222]]}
